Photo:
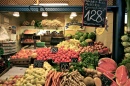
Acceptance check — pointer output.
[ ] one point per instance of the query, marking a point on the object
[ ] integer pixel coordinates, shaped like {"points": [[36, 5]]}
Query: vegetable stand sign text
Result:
{"points": [[54, 49], [38, 63], [94, 13]]}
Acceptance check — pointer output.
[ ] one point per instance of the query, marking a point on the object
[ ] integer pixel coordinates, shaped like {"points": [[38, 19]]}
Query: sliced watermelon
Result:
{"points": [[127, 83], [108, 64], [105, 72], [121, 75]]}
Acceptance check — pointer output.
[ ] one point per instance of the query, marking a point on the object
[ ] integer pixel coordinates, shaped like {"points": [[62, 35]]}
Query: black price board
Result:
{"points": [[94, 13], [36, 37], [64, 66], [54, 49], [105, 80], [38, 63], [90, 43], [75, 60]]}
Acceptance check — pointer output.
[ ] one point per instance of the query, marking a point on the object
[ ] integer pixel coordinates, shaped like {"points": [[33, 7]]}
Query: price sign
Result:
{"points": [[64, 66], [94, 13], [75, 60], [105, 80], [38, 63], [90, 43], [54, 49]]}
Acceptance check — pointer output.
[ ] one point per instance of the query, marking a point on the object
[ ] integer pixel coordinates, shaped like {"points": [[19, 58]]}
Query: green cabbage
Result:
{"points": [[127, 50], [126, 44], [127, 55], [125, 38]]}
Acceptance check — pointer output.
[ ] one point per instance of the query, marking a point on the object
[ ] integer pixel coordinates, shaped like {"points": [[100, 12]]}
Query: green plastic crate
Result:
{"points": [[40, 44]]}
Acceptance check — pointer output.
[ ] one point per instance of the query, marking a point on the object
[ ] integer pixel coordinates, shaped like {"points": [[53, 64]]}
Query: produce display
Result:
{"points": [[30, 31], [72, 79], [83, 36], [61, 56], [34, 76], [98, 46], [23, 54], [53, 78], [70, 44]]}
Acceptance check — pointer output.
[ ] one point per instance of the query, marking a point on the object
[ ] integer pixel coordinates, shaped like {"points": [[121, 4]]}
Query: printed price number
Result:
{"points": [[75, 60], [94, 15], [54, 49], [38, 63], [64, 66]]}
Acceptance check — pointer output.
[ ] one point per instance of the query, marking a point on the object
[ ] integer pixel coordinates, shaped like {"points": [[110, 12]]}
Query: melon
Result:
{"points": [[106, 73], [121, 75], [127, 83], [107, 64]]}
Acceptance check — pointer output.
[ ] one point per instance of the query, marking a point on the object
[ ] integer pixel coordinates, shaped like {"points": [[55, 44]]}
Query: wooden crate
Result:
{"points": [[21, 62]]}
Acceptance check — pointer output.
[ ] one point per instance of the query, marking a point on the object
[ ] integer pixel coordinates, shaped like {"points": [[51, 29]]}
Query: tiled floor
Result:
{"points": [[13, 71]]}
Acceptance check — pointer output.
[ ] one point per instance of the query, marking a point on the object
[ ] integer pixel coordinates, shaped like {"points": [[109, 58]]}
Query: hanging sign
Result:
{"points": [[99, 31], [94, 13]]}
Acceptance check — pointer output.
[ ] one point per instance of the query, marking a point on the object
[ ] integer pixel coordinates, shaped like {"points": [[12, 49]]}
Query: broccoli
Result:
{"points": [[127, 55]]}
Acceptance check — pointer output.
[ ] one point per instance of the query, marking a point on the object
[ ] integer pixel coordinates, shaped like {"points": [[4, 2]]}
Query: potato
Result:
{"points": [[98, 81], [89, 81]]}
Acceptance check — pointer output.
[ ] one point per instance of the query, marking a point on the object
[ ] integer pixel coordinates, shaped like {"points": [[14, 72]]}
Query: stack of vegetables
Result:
{"points": [[84, 38], [126, 43], [35, 76], [70, 44]]}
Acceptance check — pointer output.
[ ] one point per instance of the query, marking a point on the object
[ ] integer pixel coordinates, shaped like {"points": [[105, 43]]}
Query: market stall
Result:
{"points": [[74, 45]]}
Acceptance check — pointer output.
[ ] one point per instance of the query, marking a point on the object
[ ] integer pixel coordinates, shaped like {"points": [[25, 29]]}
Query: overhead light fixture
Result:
{"points": [[71, 17], [45, 14], [53, 4], [73, 14], [16, 14]]}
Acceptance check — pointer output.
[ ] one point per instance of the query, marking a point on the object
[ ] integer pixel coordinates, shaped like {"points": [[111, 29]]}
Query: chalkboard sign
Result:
{"points": [[36, 37], [38, 63], [64, 66], [94, 13], [90, 43], [105, 80], [54, 49], [74, 60]]}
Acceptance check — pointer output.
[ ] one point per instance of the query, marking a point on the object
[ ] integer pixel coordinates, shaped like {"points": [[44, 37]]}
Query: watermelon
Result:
{"points": [[121, 75]]}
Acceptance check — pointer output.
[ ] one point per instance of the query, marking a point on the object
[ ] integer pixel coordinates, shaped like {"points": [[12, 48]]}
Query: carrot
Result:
{"points": [[53, 79], [58, 78], [47, 83]]}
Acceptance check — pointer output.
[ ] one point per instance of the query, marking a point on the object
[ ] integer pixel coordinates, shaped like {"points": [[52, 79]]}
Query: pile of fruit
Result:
{"points": [[35, 76], [10, 81], [30, 31], [98, 46], [61, 56], [70, 44], [83, 36], [28, 41], [23, 54]]}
